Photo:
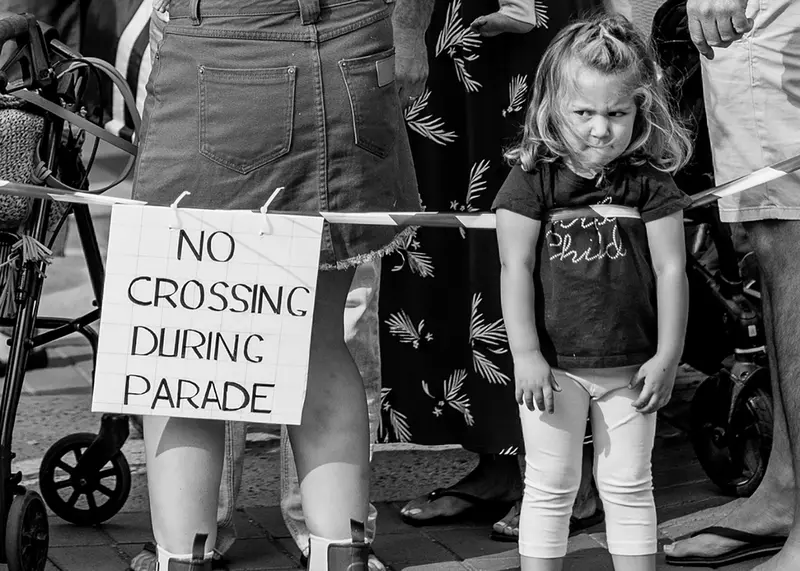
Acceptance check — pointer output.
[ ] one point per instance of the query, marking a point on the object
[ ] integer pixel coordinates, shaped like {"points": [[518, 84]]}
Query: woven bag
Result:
{"points": [[20, 133]]}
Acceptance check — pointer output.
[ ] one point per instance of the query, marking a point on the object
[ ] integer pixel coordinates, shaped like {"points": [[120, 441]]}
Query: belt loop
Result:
{"points": [[194, 10], [309, 11]]}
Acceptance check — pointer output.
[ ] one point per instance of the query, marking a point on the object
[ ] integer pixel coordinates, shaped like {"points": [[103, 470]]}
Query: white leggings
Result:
{"points": [[623, 443]]}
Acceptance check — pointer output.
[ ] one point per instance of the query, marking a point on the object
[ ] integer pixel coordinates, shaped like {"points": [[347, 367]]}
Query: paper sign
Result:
{"points": [[207, 314]]}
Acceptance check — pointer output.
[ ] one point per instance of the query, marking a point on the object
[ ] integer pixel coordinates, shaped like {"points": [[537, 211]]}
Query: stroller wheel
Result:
{"points": [[27, 535], [83, 499], [733, 454]]}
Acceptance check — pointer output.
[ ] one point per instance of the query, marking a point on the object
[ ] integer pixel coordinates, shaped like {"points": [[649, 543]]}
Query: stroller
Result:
{"points": [[84, 478], [730, 418]]}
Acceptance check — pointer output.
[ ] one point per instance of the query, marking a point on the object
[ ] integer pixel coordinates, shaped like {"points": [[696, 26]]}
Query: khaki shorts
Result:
{"points": [[752, 96]]}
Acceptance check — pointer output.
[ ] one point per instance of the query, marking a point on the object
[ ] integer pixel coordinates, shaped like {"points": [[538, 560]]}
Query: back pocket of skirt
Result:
{"points": [[246, 115], [373, 100]]}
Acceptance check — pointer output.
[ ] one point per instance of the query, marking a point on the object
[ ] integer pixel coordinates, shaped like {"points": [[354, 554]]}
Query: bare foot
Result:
{"points": [[420, 509], [509, 525], [764, 513], [584, 507], [495, 478]]}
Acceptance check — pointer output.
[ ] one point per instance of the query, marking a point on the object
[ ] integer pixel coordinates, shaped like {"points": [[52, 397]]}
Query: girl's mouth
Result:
{"points": [[600, 146]]}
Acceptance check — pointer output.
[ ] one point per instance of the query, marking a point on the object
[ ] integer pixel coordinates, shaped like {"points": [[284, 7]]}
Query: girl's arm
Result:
{"points": [[517, 236], [668, 254]]}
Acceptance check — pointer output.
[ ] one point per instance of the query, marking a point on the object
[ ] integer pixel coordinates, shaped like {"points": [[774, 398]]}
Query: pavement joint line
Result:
{"points": [[681, 484], [274, 541], [424, 533]]}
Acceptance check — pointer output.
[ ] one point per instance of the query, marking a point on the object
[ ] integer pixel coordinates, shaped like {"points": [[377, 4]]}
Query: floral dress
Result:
{"points": [[446, 367]]}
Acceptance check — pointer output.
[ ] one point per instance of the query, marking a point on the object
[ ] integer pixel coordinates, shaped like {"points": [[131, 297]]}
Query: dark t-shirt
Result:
{"points": [[595, 291]]}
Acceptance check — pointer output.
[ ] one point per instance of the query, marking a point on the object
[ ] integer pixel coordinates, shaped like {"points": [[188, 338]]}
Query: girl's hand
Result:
{"points": [[535, 382], [161, 5], [658, 376], [497, 23]]}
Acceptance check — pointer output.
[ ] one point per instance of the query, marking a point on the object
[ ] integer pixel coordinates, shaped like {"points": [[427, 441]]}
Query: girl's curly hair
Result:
{"points": [[610, 45]]}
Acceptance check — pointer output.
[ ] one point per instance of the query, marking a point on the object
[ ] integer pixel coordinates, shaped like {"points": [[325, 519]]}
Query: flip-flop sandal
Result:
{"points": [[757, 546], [504, 537], [478, 506], [576, 525]]}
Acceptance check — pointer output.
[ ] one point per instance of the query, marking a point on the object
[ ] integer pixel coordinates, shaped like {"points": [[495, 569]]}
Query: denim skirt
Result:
{"points": [[249, 95]]}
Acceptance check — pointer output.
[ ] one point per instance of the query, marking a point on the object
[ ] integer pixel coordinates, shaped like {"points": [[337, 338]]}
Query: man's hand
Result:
{"points": [[497, 23], [161, 5], [411, 64], [716, 23]]}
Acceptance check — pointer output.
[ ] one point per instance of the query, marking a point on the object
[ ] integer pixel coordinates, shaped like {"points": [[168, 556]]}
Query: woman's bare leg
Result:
{"points": [[184, 468], [331, 446]]}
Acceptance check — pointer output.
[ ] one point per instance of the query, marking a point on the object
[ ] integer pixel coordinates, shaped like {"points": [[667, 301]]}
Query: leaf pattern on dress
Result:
{"points": [[452, 396], [401, 326], [455, 148], [418, 262], [510, 451], [459, 42], [428, 126], [517, 94], [397, 420], [477, 184], [493, 337], [540, 10]]}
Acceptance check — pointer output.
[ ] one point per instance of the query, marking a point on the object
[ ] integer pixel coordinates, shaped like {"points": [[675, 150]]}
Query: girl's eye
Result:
{"points": [[582, 113], [618, 114]]}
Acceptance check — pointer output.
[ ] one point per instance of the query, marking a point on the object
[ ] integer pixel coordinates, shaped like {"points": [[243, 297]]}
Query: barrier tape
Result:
{"points": [[466, 220], [48, 193]]}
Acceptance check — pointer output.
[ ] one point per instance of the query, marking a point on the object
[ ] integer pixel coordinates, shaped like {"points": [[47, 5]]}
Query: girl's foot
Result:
{"points": [[495, 481]]}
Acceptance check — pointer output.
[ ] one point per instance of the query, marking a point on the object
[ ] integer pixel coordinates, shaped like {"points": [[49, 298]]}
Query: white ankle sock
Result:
{"points": [[318, 551], [164, 556]]}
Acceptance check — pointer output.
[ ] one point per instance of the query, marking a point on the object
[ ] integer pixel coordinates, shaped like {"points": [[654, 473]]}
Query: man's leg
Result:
{"points": [[361, 335], [769, 510], [777, 246]]}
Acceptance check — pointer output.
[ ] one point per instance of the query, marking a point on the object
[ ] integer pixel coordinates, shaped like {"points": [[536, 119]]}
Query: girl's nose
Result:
{"points": [[600, 127]]}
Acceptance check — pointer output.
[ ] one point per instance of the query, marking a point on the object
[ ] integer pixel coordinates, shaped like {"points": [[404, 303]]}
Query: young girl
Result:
{"points": [[595, 306]]}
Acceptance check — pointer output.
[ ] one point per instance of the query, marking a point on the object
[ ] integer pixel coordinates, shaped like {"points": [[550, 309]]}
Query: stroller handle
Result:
{"points": [[12, 26]]}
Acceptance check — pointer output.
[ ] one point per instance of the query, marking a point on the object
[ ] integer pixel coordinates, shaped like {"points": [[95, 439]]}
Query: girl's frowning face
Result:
{"points": [[599, 117]]}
